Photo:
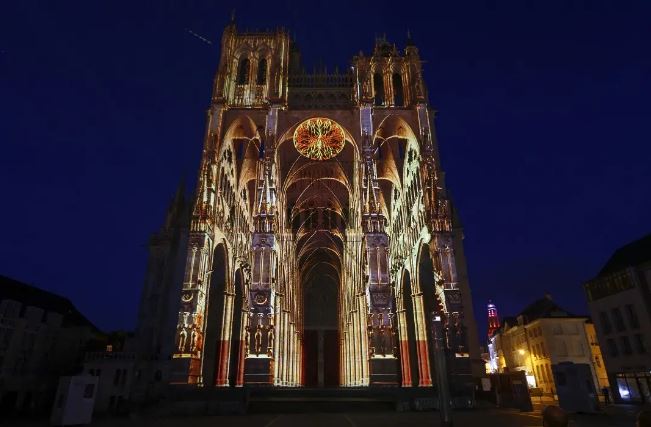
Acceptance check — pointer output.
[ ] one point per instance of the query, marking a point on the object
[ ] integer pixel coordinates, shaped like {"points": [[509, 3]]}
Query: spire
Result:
{"points": [[410, 42], [233, 16], [179, 196], [175, 209]]}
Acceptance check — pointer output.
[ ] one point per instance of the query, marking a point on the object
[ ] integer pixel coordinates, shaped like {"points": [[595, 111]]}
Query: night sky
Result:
{"points": [[544, 131]]}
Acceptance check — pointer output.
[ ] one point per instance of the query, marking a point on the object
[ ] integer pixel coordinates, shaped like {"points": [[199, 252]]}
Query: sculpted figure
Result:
{"points": [[270, 341], [258, 339], [183, 336], [247, 340], [193, 340]]}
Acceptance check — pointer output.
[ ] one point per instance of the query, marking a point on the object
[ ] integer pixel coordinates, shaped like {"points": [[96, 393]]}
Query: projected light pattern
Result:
{"points": [[319, 138]]}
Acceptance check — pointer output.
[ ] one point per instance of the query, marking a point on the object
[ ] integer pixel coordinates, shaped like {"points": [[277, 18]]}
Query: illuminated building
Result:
{"points": [[541, 336], [493, 325], [620, 302], [493, 319], [321, 238]]}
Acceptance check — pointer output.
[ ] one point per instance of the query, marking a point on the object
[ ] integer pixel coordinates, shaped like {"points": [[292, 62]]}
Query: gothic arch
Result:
{"points": [[213, 347], [408, 344], [237, 343], [243, 138]]}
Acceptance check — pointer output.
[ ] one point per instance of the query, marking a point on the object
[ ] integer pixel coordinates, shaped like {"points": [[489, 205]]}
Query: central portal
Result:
{"points": [[321, 335]]}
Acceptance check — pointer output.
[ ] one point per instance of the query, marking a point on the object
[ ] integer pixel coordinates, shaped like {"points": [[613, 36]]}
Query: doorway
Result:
{"points": [[321, 335]]}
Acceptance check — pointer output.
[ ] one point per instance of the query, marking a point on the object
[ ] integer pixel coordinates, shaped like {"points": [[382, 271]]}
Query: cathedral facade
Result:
{"points": [[322, 248]]}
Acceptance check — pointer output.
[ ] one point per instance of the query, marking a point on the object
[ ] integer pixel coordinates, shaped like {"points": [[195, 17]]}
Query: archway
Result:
{"points": [[427, 283], [237, 344], [214, 317], [321, 335], [412, 352]]}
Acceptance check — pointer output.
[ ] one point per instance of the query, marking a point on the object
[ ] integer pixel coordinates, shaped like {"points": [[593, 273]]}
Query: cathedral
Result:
{"points": [[320, 248]]}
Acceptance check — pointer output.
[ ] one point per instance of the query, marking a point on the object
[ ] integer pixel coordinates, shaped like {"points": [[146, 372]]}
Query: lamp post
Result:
{"points": [[440, 360]]}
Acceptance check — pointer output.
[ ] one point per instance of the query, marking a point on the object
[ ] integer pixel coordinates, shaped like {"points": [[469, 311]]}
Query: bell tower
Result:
{"points": [[493, 319], [253, 68]]}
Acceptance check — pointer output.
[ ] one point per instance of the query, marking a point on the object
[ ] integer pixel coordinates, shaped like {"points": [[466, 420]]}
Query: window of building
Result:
{"points": [[262, 72], [626, 345], [540, 376], [243, 71], [561, 348], [633, 321], [548, 375], [398, 95], [116, 377], [378, 88], [639, 344], [618, 319], [612, 347], [605, 322]]}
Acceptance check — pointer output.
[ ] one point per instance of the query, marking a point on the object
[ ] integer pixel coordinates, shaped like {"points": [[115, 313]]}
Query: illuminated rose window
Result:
{"points": [[319, 138]]}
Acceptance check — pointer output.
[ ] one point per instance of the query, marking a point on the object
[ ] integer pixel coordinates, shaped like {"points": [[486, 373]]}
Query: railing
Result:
{"points": [[249, 95]]}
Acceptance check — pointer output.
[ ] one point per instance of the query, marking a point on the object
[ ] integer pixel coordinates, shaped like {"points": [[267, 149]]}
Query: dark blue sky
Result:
{"points": [[544, 131]]}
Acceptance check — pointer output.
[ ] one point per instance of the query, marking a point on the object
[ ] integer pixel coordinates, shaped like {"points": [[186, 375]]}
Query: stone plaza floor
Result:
{"points": [[612, 416]]}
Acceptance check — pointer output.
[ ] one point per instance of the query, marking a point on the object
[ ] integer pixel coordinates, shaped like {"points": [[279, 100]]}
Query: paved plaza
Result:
{"points": [[613, 416]]}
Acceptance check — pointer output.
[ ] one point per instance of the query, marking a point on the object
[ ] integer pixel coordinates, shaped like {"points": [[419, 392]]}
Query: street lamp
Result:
{"points": [[440, 360]]}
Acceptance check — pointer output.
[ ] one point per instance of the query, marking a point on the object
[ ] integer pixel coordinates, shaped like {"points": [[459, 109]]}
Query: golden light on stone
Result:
{"points": [[319, 138]]}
